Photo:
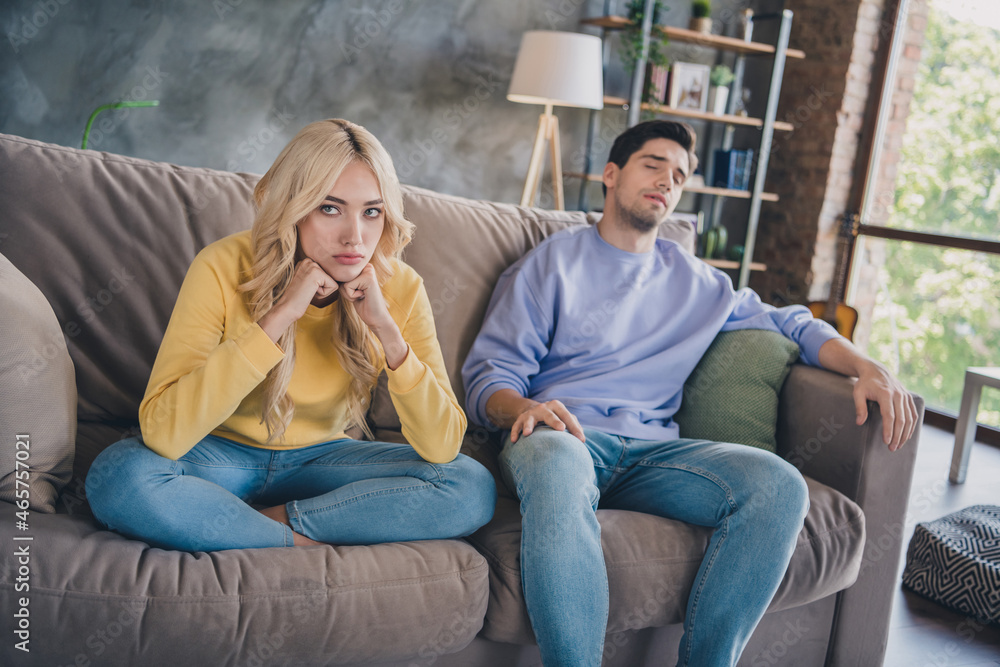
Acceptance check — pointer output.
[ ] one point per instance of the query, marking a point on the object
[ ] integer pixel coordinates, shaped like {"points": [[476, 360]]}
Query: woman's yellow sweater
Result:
{"points": [[208, 373]]}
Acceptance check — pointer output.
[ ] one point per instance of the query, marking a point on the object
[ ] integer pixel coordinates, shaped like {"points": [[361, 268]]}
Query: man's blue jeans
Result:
{"points": [[340, 492], [755, 501]]}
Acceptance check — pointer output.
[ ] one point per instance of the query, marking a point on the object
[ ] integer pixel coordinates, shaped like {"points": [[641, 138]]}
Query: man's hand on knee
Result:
{"points": [[553, 414], [508, 409]]}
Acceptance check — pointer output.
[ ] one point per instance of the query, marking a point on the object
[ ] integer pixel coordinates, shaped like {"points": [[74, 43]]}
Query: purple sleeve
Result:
{"points": [[508, 351], [794, 322]]}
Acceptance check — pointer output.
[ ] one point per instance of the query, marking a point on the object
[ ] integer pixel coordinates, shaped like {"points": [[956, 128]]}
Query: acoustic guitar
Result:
{"points": [[834, 311]]}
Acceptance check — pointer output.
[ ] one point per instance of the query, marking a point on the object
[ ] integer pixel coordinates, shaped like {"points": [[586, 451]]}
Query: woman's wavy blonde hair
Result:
{"points": [[295, 185]]}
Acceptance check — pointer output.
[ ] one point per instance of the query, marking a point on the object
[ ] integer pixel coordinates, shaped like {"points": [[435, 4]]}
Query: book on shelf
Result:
{"points": [[732, 169], [656, 83]]}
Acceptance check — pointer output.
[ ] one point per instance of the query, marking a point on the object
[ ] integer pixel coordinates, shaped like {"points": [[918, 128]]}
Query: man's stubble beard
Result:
{"points": [[642, 221]]}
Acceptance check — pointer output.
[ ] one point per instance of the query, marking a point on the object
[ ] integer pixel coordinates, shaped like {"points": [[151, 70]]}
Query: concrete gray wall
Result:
{"points": [[237, 78]]}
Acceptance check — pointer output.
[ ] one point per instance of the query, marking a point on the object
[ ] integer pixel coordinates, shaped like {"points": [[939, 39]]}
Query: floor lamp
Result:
{"points": [[555, 69]]}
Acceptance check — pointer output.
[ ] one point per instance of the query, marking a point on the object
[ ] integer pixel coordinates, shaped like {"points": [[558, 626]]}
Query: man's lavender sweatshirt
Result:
{"points": [[614, 334]]}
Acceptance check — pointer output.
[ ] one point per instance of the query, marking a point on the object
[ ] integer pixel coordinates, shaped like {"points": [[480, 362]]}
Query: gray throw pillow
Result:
{"points": [[37, 396]]}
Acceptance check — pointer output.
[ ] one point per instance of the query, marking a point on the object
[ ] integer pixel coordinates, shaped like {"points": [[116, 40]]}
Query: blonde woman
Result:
{"points": [[272, 352]]}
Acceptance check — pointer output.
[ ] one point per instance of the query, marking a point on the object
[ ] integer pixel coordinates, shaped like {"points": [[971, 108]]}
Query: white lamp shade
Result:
{"points": [[558, 68]]}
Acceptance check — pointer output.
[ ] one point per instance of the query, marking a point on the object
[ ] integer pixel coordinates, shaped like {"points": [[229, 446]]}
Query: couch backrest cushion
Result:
{"points": [[37, 396], [108, 240], [460, 248]]}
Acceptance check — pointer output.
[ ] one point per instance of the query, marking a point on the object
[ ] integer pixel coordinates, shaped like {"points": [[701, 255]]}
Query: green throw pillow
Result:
{"points": [[732, 395]]}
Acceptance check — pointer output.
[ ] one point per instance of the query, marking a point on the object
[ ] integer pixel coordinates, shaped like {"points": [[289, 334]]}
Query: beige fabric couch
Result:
{"points": [[103, 241]]}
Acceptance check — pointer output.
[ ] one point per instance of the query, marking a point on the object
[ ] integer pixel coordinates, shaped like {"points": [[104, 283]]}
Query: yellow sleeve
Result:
{"points": [[201, 373], [432, 421]]}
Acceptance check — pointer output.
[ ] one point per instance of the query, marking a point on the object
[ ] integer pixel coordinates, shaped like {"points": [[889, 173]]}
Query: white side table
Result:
{"points": [[965, 427]]}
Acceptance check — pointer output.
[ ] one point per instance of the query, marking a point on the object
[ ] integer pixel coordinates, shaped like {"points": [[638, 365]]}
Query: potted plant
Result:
{"points": [[701, 16], [657, 60], [718, 94]]}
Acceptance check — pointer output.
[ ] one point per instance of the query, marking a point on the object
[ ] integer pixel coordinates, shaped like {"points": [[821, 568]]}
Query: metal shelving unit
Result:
{"points": [[743, 48]]}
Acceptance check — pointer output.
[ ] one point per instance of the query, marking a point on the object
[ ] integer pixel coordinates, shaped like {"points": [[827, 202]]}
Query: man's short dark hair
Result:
{"points": [[634, 138]]}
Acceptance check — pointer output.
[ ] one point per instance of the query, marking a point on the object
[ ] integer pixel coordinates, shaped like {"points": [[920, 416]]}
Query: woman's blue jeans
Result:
{"points": [[755, 501], [340, 492]]}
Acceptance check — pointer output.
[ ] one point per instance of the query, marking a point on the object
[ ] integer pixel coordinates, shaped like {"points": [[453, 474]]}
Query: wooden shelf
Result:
{"points": [[698, 38], [776, 55], [746, 121], [698, 189], [725, 192], [729, 264]]}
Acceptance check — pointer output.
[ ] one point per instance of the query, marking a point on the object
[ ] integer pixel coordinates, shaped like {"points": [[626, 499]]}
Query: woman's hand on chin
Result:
{"points": [[308, 282], [365, 294]]}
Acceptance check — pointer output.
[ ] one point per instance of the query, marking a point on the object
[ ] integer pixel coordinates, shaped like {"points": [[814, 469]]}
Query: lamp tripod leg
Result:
{"points": [[557, 176], [535, 166]]}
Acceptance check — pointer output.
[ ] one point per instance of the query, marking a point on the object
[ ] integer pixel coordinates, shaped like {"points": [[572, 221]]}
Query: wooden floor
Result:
{"points": [[923, 633]]}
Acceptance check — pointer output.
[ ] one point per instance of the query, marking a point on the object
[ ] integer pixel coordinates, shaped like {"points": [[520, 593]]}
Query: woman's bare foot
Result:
{"points": [[280, 514]]}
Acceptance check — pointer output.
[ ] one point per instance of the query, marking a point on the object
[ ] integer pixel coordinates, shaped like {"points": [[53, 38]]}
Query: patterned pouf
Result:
{"points": [[955, 561]]}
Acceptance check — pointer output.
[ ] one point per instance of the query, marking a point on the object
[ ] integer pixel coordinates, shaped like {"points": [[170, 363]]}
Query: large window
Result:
{"points": [[937, 309], [937, 313]]}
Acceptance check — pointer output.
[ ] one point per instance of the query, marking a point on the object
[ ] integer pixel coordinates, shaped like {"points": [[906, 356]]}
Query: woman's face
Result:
{"points": [[341, 234]]}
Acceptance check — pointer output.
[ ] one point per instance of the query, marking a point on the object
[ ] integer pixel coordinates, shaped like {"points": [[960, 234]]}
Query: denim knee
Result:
{"points": [[475, 492], [118, 474], [793, 487], [798, 491], [783, 487], [550, 460]]}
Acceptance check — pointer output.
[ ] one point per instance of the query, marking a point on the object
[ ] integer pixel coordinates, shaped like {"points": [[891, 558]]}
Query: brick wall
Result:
{"points": [[811, 168]]}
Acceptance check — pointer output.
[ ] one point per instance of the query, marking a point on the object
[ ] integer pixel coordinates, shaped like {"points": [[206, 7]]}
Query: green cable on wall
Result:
{"points": [[116, 105]]}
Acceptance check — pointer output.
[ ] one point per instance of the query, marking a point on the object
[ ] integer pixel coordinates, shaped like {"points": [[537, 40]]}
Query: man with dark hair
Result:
{"points": [[583, 355], [632, 140]]}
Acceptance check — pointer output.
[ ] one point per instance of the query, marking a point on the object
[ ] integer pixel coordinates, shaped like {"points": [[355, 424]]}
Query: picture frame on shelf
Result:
{"points": [[689, 86]]}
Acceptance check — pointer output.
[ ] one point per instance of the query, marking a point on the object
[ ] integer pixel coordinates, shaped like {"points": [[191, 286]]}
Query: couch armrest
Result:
{"points": [[817, 433]]}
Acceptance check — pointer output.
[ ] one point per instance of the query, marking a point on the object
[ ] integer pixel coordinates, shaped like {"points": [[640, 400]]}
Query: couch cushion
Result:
{"points": [[652, 561], [119, 602], [37, 396], [732, 395], [122, 232]]}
